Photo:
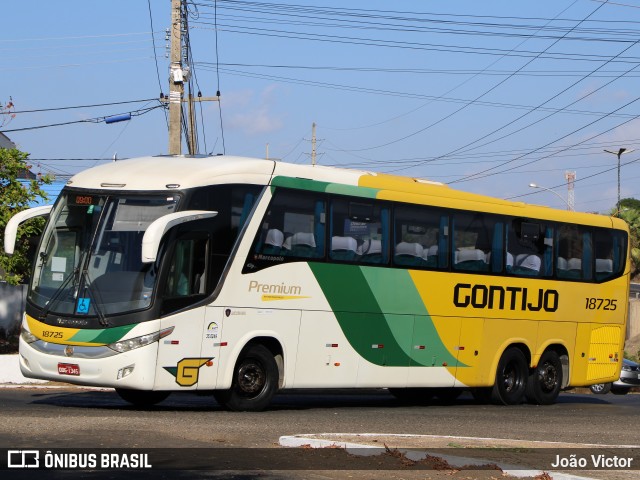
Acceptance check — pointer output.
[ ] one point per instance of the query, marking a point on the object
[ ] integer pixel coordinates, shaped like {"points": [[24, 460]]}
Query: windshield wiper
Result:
{"points": [[96, 302], [54, 298]]}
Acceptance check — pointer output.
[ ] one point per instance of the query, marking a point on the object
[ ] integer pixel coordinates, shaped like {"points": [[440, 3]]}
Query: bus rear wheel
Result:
{"points": [[141, 398], [255, 381], [511, 378], [545, 381]]}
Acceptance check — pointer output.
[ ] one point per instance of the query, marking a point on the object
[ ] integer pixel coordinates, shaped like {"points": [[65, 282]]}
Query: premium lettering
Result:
{"points": [[505, 298], [282, 289]]}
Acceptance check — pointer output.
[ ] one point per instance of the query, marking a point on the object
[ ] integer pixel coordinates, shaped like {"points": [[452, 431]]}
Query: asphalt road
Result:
{"points": [[77, 418]]}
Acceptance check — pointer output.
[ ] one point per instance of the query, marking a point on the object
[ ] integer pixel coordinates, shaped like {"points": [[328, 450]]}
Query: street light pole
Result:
{"points": [[618, 154], [535, 185]]}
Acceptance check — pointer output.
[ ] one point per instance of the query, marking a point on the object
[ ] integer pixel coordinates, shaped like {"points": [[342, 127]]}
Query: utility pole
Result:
{"points": [[313, 144], [618, 154], [178, 75], [192, 126], [176, 80]]}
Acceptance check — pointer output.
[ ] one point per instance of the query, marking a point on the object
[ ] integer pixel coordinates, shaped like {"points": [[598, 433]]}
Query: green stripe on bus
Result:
{"points": [[405, 299], [104, 336], [382, 324], [317, 186]]}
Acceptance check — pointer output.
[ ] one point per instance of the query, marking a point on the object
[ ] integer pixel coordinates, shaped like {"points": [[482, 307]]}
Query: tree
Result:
{"points": [[17, 195], [630, 213]]}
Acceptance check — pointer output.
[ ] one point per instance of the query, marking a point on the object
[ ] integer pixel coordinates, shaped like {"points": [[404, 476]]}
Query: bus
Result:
{"points": [[241, 277]]}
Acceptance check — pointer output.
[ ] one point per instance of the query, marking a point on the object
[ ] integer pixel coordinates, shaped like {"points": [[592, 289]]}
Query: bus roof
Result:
{"points": [[183, 172]]}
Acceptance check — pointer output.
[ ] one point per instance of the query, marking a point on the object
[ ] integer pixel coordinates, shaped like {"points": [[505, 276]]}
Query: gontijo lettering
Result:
{"points": [[511, 298]]}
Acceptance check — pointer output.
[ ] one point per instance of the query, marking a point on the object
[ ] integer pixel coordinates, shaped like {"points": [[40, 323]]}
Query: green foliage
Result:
{"points": [[630, 213], [16, 196]]}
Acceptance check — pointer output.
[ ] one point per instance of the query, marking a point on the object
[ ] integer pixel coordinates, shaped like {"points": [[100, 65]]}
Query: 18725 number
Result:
{"points": [[600, 303]]}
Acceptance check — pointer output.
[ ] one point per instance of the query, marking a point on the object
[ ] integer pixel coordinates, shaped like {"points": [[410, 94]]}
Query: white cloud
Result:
{"points": [[251, 115]]}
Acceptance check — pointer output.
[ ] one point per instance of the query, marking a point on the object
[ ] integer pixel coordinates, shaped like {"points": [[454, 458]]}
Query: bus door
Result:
{"points": [[181, 364], [187, 357]]}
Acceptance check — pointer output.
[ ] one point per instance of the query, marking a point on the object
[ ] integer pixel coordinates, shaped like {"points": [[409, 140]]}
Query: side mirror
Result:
{"points": [[11, 230], [154, 233]]}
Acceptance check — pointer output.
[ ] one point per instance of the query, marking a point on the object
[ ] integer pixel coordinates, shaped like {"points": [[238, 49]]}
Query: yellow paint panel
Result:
{"points": [[53, 334], [554, 333], [471, 353]]}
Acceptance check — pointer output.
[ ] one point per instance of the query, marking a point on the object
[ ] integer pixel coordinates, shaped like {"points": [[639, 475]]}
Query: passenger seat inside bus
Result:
{"points": [[575, 267], [430, 256], [273, 242], [527, 264], [343, 248], [472, 259], [370, 251], [409, 254], [301, 244], [604, 268]]}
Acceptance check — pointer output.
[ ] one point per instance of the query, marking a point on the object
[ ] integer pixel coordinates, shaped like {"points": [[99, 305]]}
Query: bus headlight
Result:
{"points": [[27, 336], [141, 341]]}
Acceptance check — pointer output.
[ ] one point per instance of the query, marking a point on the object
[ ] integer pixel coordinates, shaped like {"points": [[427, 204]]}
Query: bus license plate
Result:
{"points": [[68, 369]]}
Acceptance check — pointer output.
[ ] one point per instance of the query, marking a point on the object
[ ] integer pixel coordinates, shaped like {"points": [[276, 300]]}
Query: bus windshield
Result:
{"points": [[89, 261]]}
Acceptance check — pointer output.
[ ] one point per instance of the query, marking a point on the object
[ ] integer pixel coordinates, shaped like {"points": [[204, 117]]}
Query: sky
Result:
{"points": [[487, 97]]}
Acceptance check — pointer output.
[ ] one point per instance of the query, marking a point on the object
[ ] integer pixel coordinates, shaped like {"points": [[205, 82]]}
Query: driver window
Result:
{"points": [[187, 268]]}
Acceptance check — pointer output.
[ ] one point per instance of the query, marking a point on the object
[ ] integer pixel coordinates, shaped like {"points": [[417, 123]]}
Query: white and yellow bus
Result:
{"points": [[245, 276]]}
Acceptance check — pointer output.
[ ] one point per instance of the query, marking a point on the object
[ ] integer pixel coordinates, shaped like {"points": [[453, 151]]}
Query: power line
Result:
{"points": [[135, 113], [218, 74], [155, 58], [85, 106]]}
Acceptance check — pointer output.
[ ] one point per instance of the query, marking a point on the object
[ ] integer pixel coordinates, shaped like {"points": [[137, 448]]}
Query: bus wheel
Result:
{"points": [[255, 381], [511, 378], [545, 381], [141, 398]]}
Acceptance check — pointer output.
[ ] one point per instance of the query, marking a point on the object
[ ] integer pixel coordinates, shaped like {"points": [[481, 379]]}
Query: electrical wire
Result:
{"points": [[135, 113], [155, 58], [224, 150], [84, 106]]}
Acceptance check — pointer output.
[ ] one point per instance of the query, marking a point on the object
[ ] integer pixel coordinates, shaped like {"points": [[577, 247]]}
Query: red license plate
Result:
{"points": [[68, 369]]}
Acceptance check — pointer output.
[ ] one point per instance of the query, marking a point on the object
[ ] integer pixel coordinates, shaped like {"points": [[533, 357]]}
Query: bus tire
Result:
{"points": [[141, 398], [255, 381], [511, 378], [545, 381]]}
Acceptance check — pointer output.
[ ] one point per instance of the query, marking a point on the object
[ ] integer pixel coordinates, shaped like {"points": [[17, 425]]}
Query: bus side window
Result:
{"points": [[420, 237], [575, 253], [530, 248], [472, 241], [187, 271], [357, 231], [294, 226]]}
